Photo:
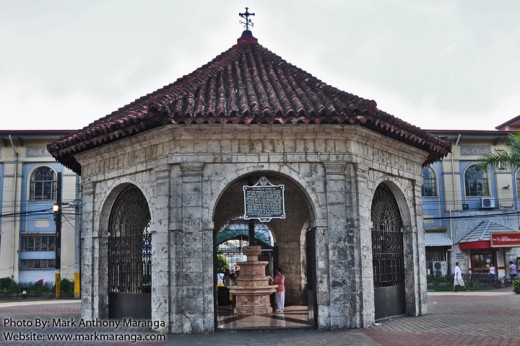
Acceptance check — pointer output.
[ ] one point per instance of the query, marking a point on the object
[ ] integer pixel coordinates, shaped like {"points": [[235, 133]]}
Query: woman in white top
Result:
{"points": [[492, 272]]}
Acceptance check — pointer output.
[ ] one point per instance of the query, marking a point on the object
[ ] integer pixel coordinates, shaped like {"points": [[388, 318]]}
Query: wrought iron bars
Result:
{"points": [[387, 239]]}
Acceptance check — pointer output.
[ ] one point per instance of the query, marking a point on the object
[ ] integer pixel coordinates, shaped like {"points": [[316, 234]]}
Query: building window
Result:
{"points": [[479, 261], [38, 243], [37, 264], [476, 182], [429, 188], [42, 184]]}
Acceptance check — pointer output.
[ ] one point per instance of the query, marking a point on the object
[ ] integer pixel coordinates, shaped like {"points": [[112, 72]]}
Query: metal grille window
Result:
{"points": [[129, 243], [42, 184], [387, 239], [435, 255]]}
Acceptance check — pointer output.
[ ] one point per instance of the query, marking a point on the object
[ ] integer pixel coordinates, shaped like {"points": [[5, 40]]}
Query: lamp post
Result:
{"points": [[56, 208]]}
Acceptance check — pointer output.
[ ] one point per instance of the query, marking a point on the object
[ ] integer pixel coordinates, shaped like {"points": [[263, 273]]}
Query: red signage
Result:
{"points": [[505, 239]]}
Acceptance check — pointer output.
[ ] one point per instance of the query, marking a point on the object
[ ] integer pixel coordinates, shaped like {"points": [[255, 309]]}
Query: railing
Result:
{"points": [[475, 281]]}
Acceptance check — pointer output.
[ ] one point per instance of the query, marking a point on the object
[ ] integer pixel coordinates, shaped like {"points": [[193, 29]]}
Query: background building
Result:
{"points": [[28, 180], [463, 204]]}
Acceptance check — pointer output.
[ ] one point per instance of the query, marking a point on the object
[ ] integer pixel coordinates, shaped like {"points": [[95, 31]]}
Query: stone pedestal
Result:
{"points": [[252, 290]]}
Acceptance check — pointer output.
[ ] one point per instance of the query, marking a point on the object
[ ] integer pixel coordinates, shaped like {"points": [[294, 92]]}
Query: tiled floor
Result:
{"points": [[293, 317]]}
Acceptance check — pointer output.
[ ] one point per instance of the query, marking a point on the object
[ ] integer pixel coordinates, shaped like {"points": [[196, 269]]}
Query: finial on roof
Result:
{"points": [[248, 21]]}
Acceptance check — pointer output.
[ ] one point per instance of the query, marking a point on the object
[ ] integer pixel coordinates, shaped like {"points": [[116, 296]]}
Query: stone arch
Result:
{"points": [[397, 186], [289, 234], [217, 188], [387, 254], [404, 202], [125, 250], [107, 201]]}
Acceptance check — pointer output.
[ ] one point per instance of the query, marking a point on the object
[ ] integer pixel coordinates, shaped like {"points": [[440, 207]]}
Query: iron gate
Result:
{"points": [[387, 255], [129, 256], [310, 254]]}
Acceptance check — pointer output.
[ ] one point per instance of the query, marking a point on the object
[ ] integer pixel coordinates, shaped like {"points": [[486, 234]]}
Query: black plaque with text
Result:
{"points": [[264, 202]]}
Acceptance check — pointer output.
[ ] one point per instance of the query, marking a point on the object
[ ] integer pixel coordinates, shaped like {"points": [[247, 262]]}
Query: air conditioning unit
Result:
{"points": [[487, 203], [439, 269]]}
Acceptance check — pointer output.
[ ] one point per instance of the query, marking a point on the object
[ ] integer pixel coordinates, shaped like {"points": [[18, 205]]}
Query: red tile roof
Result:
{"points": [[247, 84]]}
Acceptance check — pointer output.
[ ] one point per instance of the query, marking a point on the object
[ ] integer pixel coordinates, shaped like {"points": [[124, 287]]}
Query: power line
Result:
{"points": [[471, 216], [30, 212]]}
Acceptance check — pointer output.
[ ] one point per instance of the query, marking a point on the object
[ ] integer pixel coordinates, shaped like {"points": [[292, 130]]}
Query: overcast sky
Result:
{"points": [[435, 64]]}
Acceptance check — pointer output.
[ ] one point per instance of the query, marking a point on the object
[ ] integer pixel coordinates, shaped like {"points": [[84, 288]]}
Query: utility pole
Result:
{"points": [[57, 219], [77, 260]]}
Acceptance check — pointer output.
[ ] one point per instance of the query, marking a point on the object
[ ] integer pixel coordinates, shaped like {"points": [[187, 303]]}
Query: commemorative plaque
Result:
{"points": [[264, 201]]}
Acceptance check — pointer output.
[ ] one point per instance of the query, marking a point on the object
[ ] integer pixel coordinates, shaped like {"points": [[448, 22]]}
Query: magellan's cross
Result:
{"points": [[246, 15]]}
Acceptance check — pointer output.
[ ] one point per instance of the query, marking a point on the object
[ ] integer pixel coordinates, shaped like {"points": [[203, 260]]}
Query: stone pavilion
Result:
{"points": [[163, 174]]}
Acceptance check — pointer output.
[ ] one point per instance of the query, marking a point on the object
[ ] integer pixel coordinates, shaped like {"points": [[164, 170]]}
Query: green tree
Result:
{"points": [[504, 159], [222, 262]]}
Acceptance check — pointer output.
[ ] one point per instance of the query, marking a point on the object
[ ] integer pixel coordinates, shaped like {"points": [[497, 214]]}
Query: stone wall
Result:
{"points": [[184, 172]]}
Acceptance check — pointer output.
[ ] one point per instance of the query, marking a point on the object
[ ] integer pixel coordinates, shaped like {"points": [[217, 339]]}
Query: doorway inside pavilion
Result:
{"points": [[283, 243]]}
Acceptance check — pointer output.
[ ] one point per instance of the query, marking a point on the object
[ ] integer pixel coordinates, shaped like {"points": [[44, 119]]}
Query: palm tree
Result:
{"points": [[503, 159]]}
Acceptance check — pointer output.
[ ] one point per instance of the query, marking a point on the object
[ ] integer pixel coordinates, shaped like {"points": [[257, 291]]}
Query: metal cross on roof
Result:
{"points": [[246, 15]]}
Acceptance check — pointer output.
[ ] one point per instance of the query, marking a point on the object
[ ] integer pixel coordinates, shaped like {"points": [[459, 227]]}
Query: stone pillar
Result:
{"points": [[193, 306], [322, 277], [88, 309], [352, 245], [340, 259], [366, 285], [414, 236], [160, 246]]}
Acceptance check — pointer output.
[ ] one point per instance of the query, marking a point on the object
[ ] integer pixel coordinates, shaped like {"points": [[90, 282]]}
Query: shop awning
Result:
{"points": [[481, 236], [436, 239]]}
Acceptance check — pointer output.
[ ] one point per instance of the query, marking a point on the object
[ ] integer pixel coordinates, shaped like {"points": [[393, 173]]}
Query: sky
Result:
{"points": [[435, 64]]}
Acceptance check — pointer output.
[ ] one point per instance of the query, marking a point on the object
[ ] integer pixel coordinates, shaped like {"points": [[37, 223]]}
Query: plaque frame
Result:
{"points": [[263, 184]]}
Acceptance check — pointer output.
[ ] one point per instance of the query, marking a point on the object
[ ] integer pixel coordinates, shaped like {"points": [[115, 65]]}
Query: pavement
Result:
{"points": [[462, 318]]}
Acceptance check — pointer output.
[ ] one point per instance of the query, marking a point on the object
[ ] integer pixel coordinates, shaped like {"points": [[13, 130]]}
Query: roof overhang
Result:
{"points": [[437, 239]]}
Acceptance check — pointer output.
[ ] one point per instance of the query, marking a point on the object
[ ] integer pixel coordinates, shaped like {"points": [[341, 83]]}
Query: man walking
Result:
{"points": [[457, 278]]}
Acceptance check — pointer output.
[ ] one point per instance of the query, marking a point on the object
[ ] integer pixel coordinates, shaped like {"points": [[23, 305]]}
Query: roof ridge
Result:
{"points": [[487, 225]]}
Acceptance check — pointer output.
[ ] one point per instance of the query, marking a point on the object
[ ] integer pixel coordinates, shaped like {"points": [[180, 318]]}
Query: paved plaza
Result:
{"points": [[462, 318]]}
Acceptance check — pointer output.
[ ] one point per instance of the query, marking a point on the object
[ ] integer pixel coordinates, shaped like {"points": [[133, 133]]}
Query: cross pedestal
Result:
{"points": [[252, 290]]}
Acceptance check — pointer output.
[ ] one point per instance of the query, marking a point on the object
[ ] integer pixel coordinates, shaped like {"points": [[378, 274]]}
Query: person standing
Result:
{"points": [[228, 281], [457, 278], [492, 272], [512, 270], [279, 279]]}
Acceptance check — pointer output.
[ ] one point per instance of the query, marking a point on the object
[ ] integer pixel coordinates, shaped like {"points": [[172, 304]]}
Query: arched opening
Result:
{"points": [[230, 242], [129, 256], [387, 255], [283, 245]]}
